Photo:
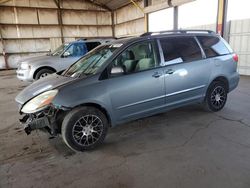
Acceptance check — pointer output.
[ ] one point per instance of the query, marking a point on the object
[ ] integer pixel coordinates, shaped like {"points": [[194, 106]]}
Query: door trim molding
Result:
{"points": [[185, 90], [140, 102], [162, 96]]}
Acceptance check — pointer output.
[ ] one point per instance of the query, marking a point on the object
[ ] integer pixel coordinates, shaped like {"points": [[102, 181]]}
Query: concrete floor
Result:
{"points": [[187, 147]]}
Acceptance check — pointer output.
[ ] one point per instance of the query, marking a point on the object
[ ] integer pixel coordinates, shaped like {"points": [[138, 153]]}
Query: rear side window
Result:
{"points": [[92, 45], [213, 46], [180, 49]]}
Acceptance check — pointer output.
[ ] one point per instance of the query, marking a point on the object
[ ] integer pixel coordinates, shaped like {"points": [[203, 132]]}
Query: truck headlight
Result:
{"points": [[25, 66], [39, 102]]}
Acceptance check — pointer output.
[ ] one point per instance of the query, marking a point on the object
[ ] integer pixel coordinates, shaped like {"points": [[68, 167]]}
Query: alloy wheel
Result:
{"points": [[218, 97], [87, 130]]}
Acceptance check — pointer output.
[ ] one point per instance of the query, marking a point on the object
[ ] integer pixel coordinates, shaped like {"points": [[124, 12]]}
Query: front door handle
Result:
{"points": [[157, 74], [170, 71]]}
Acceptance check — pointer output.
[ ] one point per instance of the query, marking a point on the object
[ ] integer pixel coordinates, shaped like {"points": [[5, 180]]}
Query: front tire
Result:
{"points": [[43, 73], [84, 128], [216, 96]]}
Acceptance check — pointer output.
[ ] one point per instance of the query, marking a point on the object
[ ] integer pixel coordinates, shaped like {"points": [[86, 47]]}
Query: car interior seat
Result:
{"points": [[129, 63], [146, 61], [77, 51]]}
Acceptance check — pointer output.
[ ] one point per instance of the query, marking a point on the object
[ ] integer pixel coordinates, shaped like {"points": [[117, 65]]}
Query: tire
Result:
{"points": [[216, 96], [84, 128], [42, 73]]}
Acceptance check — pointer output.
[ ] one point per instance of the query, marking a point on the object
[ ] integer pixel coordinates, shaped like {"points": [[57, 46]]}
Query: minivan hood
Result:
{"points": [[44, 84]]}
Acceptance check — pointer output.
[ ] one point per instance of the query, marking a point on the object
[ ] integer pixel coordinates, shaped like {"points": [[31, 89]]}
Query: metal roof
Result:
{"points": [[111, 4]]}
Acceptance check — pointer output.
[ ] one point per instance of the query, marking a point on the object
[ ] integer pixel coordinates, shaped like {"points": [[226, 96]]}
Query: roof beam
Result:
{"points": [[3, 1], [99, 4], [59, 16]]}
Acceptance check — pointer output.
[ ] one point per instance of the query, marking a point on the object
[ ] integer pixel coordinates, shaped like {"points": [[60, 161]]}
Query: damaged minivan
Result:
{"points": [[128, 79]]}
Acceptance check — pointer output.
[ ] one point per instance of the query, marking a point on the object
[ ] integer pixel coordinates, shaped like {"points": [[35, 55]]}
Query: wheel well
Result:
{"points": [[99, 107], [222, 79], [40, 68]]}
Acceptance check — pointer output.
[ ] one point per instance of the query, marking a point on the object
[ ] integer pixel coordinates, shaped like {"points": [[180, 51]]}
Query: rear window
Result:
{"points": [[213, 46], [92, 45], [180, 49]]}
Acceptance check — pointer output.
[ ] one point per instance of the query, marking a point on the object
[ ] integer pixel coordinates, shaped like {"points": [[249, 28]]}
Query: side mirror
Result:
{"points": [[66, 54], [117, 71]]}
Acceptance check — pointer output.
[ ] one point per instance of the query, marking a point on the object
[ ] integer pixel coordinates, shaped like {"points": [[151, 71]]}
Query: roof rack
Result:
{"points": [[177, 31]]}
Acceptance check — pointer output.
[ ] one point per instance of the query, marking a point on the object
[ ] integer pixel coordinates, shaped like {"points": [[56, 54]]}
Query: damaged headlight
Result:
{"points": [[39, 102]]}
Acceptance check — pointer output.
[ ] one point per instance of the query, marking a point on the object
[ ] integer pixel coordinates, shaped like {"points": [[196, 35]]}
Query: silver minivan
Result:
{"points": [[130, 79]]}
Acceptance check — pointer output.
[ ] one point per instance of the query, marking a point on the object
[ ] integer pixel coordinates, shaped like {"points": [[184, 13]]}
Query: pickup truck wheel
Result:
{"points": [[216, 97], [43, 73], [84, 128]]}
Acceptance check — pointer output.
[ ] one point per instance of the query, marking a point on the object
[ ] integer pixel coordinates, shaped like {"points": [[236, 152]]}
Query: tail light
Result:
{"points": [[236, 58]]}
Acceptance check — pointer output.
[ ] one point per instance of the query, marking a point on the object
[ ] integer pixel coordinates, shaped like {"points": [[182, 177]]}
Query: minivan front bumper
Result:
{"points": [[46, 120], [31, 124]]}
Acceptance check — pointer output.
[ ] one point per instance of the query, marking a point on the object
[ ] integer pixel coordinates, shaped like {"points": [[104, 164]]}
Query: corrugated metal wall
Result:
{"points": [[129, 20], [239, 39], [31, 27]]}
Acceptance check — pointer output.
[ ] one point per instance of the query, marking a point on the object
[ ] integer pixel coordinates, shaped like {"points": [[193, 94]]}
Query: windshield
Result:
{"points": [[60, 49], [91, 62]]}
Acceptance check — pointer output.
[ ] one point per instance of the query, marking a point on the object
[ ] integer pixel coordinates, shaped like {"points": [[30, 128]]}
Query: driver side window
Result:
{"points": [[77, 49], [69, 51], [136, 58]]}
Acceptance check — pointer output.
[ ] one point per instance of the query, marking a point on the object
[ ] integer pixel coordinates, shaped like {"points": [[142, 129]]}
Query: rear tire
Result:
{"points": [[216, 96], [84, 128], [43, 73]]}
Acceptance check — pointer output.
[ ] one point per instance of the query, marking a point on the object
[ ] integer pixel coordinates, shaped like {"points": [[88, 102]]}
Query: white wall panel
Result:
{"points": [[45, 31], [29, 45], [128, 13], [48, 16], [42, 3], [104, 18], [7, 15], [76, 4], [135, 27], [26, 16], [30, 31], [79, 18], [30, 3], [87, 31], [33, 34], [239, 39], [54, 43], [104, 31]]}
